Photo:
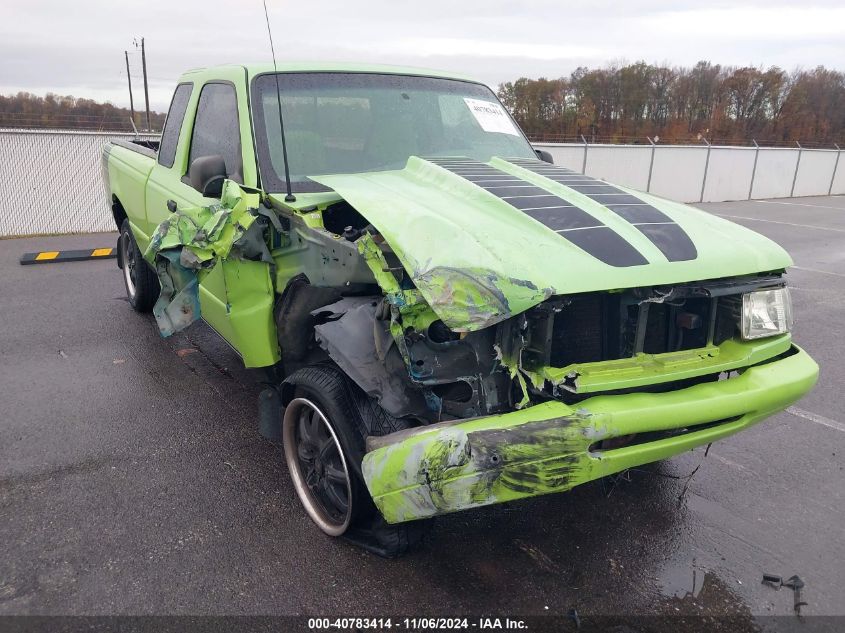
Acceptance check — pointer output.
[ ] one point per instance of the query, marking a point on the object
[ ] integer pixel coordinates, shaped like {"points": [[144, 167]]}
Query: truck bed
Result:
{"points": [[127, 166], [142, 146]]}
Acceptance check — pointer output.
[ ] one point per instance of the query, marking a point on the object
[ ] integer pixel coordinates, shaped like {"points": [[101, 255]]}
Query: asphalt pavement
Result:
{"points": [[133, 479]]}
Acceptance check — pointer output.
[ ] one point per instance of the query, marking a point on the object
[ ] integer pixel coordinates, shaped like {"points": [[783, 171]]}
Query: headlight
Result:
{"points": [[766, 313]]}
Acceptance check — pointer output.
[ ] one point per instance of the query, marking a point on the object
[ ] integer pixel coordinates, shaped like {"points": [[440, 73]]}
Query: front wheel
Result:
{"points": [[142, 287], [325, 425], [318, 466]]}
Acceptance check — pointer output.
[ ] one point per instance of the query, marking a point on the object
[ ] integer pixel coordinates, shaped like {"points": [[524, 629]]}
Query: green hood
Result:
{"points": [[485, 241]]}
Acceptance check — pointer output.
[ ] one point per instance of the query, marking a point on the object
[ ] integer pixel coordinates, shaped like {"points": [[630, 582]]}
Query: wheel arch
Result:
{"points": [[117, 211]]}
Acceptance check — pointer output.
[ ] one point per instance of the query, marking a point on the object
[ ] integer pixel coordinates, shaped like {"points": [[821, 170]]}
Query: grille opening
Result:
{"points": [[586, 330], [608, 326]]}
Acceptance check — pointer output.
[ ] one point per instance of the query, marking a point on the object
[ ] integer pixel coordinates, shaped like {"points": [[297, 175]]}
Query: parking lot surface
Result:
{"points": [[133, 479]]}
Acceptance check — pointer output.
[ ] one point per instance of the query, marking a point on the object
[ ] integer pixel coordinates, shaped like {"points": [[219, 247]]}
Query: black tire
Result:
{"points": [[140, 280], [352, 416]]}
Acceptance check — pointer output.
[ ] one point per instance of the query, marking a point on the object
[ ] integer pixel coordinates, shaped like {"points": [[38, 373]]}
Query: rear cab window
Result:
{"points": [[175, 117], [217, 128]]}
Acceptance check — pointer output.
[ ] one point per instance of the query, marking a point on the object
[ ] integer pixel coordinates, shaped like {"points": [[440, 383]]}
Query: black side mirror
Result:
{"points": [[544, 156], [206, 174]]}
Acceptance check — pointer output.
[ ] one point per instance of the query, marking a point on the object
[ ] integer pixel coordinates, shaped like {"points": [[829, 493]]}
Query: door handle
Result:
{"points": [[171, 205]]}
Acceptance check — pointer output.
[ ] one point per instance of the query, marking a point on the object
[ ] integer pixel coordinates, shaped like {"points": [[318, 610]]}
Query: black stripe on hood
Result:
{"points": [[658, 227], [566, 219]]}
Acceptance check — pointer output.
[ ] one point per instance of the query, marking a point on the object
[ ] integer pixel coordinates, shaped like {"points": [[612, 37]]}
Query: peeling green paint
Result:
{"points": [[374, 257], [545, 448], [473, 298], [188, 244], [513, 365], [219, 248], [178, 303], [465, 300], [205, 233]]}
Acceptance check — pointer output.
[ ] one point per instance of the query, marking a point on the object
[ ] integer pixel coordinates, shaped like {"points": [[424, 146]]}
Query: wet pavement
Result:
{"points": [[133, 480]]}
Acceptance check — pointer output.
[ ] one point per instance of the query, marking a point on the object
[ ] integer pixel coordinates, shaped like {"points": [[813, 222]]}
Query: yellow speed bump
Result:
{"points": [[49, 257]]}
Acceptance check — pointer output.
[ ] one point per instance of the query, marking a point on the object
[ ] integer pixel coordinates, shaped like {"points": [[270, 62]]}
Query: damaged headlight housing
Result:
{"points": [[766, 313]]}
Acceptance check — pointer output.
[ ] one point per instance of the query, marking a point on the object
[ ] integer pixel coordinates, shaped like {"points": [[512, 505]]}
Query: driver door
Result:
{"points": [[215, 130]]}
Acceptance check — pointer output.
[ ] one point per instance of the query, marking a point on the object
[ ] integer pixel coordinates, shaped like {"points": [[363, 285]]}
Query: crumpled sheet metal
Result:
{"points": [[361, 344], [472, 299], [457, 466], [178, 304], [189, 243], [464, 299]]}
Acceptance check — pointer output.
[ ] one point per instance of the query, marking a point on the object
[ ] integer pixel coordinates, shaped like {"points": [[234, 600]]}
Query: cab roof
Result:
{"points": [[253, 70]]}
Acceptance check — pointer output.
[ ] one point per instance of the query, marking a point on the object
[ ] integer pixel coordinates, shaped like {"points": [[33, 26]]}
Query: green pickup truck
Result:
{"points": [[441, 317]]}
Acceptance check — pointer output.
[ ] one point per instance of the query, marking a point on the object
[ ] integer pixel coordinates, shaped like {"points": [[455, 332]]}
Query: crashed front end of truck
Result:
{"points": [[573, 389], [521, 389]]}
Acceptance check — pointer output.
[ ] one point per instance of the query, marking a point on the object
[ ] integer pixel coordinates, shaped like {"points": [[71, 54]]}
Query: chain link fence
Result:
{"points": [[51, 181]]}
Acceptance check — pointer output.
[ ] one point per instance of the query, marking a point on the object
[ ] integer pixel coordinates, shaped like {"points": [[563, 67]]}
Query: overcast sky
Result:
{"points": [[76, 46]]}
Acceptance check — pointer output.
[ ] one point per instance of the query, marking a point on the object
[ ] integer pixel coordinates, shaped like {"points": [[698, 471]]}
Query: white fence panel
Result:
{"points": [[729, 173], [625, 165], [839, 178], [814, 172], [569, 156], [775, 171], [678, 172]]}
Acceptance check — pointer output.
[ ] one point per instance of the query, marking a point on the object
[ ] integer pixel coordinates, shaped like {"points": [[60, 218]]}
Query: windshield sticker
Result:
{"points": [[491, 116]]}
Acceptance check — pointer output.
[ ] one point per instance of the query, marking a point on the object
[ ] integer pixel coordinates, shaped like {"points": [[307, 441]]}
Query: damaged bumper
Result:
{"points": [[552, 447]]}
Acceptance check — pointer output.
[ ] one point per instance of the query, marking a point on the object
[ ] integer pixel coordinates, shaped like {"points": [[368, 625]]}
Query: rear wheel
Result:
{"points": [[142, 287], [324, 429]]}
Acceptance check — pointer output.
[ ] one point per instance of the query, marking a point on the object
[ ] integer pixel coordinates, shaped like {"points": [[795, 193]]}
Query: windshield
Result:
{"points": [[357, 122]]}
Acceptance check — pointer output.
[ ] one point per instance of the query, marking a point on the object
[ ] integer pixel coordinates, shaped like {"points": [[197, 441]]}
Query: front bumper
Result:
{"points": [[545, 448]]}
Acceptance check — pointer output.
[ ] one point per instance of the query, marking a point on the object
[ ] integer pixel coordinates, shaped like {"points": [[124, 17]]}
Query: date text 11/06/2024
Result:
{"points": [[416, 624]]}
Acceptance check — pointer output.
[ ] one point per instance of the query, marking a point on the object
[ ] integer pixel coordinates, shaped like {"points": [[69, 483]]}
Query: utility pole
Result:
{"points": [[129, 77], [146, 90]]}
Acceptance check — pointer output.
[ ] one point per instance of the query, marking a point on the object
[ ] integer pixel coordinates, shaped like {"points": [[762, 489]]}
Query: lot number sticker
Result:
{"points": [[491, 116]]}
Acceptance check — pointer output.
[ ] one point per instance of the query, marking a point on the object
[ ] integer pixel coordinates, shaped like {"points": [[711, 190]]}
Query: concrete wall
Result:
{"points": [[678, 171]]}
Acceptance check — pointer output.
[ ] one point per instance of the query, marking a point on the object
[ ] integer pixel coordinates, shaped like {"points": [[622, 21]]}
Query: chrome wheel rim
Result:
{"points": [[129, 263], [317, 466]]}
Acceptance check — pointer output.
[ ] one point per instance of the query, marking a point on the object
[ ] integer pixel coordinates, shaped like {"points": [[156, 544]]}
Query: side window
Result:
{"points": [[175, 116], [216, 128]]}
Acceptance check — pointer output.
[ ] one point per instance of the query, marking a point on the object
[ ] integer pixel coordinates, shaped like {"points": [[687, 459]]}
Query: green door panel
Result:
{"points": [[212, 295], [250, 300]]}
